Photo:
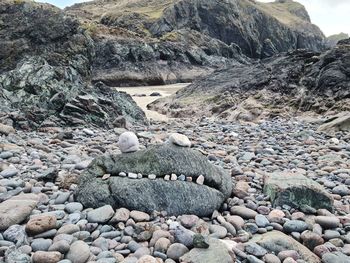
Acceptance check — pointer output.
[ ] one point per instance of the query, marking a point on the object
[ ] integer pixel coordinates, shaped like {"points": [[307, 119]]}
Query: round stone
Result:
{"points": [[176, 250], [101, 214], [128, 142], [261, 221], [79, 252], [41, 224], [139, 216], [179, 140], [41, 244]]}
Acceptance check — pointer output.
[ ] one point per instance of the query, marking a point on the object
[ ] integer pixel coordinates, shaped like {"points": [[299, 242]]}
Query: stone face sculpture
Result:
{"points": [[126, 185]]}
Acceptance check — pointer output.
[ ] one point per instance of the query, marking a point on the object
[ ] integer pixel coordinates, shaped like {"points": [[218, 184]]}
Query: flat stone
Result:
{"points": [[180, 140], [100, 215], [16, 209], [176, 250], [121, 215], [327, 221], [295, 226], [336, 257], [79, 252], [41, 224], [276, 242], [46, 257], [296, 190], [217, 252], [243, 212], [139, 216]]}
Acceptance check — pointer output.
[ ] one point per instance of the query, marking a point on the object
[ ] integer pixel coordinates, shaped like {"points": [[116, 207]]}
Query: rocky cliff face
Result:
{"points": [[289, 83], [157, 42], [45, 70]]}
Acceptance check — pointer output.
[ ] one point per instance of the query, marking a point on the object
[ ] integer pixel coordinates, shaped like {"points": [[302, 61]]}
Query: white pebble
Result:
{"points": [[167, 177], [128, 142], [122, 174], [180, 140], [173, 177], [132, 175], [152, 176], [139, 176], [200, 180]]}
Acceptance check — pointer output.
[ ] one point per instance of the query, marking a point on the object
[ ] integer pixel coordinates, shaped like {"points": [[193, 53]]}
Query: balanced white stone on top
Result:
{"points": [[128, 142], [180, 140]]}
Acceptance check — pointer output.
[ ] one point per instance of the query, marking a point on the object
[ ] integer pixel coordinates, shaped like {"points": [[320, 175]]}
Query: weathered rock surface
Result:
{"points": [[175, 197], [340, 122], [293, 82], [276, 242], [296, 190], [217, 252], [45, 69], [156, 42], [16, 209]]}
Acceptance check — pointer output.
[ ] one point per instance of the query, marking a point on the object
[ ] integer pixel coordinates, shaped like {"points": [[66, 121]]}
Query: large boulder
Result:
{"points": [[16, 209], [45, 71], [276, 242], [175, 197], [296, 190], [340, 122]]}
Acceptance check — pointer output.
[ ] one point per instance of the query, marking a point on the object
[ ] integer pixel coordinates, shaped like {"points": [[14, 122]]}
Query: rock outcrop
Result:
{"points": [[288, 83], [45, 71], [144, 194], [296, 190], [157, 42]]}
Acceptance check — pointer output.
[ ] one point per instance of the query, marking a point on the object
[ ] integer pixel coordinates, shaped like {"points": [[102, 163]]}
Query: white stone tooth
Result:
{"points": [[167, 177], [132, 175], [200, 180], [152, 176], [122, 174], [173, 177], [189, 179], [139, 176]]}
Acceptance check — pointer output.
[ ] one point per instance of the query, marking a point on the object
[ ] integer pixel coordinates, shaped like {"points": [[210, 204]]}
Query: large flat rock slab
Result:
{"points": [[16, 209], [296, 190], [276, 242], [216, 252], [175, 197], [340, 122]]}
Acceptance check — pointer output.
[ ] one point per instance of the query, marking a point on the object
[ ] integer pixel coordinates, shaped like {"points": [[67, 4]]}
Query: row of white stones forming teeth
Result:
{"points": [[172, 177]]}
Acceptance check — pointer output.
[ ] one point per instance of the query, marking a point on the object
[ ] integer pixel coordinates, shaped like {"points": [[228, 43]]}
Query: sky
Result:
{"points": [[332, 16]]}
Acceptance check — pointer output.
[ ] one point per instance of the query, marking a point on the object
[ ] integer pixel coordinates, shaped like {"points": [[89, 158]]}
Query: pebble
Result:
{"points": [[295, 226], [139, 216], [243, 212], [100, 215], [79, 252], [176, 250], [46, 257], [179, 140]]}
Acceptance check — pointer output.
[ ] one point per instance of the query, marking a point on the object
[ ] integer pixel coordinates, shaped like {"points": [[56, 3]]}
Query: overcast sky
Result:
{"points": [[332, 16]]}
